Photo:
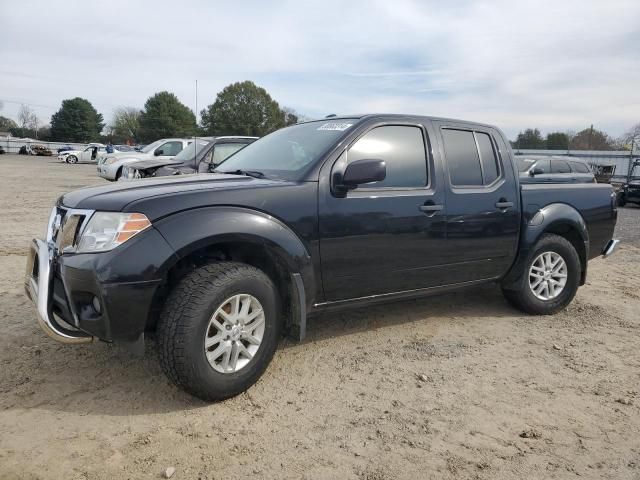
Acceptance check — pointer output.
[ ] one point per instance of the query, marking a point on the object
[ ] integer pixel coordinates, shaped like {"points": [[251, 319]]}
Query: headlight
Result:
{"points": [[107, 230], [110, 160]]}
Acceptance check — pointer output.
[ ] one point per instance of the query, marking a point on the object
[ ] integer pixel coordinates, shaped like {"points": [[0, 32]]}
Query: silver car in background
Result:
{"points": [[110, 165]]}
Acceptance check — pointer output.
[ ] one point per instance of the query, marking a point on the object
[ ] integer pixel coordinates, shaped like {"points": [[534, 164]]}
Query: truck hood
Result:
{"points": [[115, 197]]}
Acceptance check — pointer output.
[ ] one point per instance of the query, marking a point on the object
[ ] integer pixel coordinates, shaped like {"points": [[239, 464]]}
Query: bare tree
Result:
{"points": [[25, 116], [126, 122], [631, 139]]}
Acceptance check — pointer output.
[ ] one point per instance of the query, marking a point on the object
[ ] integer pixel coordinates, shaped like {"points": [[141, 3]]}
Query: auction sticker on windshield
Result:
{"points": [[335, 126]]}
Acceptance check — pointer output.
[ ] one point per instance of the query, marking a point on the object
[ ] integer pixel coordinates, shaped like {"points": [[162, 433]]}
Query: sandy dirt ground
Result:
{"points": [[458, 386]]}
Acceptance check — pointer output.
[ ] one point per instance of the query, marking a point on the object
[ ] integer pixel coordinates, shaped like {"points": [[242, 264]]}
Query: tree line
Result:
{"points": [[587, 139], [242, 108]]}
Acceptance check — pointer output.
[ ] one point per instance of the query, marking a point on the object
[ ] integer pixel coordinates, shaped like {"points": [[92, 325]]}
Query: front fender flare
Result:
{"points": [[543, 220], [192, 230]]}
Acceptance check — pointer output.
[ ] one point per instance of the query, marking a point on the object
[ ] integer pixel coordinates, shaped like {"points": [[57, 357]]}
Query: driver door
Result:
{"points": [[85, 156]]}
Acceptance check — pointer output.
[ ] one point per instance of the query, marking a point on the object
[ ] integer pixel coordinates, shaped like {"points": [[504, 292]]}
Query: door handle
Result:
{"points": [[503, 204], [431, 210]]}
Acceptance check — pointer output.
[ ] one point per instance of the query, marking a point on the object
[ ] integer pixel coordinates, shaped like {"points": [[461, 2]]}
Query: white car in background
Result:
{"points": [[89, 154], [110, 165]]}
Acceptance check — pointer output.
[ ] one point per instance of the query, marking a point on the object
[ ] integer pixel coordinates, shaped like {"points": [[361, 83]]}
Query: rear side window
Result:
{"points": [[579, 167], [471, 157], [462, 157], [403, 150], [560, 166]]}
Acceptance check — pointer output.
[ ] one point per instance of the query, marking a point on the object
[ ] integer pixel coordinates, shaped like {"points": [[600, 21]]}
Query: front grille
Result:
{"points": [[65, 226]]}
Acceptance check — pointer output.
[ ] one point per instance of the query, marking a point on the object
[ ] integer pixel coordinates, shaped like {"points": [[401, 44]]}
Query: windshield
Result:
{"points": [[190, 151], [151, 146], [286, 153], [524, 164]]}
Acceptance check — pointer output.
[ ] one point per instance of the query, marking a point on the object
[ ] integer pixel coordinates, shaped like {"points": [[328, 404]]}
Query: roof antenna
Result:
{"points": [[195, 138], [331, 115]]}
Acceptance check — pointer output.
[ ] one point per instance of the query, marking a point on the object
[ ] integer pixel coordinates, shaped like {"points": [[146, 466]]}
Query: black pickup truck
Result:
{"points": [[326, 214]]}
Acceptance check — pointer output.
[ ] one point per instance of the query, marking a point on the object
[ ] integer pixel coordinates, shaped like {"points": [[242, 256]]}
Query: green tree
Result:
{"points": [[530, 139], [76, 121], [165, 116], [243, 108], [7, 124], [126, 124], [592, 139], [557, 141]]}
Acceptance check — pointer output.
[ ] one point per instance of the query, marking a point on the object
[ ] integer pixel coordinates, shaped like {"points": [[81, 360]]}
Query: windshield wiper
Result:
{"points": [[248, 173]]}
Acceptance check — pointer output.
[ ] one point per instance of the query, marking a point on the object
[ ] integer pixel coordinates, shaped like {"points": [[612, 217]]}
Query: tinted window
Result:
{"points": [[462, 157], [560, 166], [488, 158], [402, 149], [171, 148], [579, 167]]}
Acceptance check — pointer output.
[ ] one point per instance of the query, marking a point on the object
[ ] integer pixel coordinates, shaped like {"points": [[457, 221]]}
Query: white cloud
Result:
{"points": [[547, 64]]}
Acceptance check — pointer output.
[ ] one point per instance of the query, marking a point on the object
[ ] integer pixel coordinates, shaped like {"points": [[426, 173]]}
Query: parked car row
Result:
{"points": [[201, 156], [170, 156]]}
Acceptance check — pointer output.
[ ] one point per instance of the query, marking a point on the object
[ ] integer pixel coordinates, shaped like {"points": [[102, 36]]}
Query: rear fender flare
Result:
{"points": [[550, 218]]}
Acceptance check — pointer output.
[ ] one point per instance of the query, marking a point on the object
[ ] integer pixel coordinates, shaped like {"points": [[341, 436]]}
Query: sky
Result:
{"points": [[555, 65]]}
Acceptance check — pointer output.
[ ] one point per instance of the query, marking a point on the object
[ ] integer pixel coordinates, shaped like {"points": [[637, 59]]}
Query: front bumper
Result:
{"points": [[122, 284], [38, 286]]}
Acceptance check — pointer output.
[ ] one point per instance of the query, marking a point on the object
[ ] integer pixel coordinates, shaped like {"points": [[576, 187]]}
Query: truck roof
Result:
{"points": [[363, 116]]}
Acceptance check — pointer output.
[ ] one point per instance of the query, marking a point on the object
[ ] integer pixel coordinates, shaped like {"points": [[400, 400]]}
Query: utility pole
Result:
{"points": [[590, 136]]}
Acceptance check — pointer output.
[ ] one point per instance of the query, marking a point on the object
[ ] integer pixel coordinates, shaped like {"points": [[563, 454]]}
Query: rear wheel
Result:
{"points": [[552, 277], [219, 330]]}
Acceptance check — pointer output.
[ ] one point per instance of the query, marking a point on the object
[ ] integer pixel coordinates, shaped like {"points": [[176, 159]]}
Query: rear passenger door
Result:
{"points": [[482, 202]]}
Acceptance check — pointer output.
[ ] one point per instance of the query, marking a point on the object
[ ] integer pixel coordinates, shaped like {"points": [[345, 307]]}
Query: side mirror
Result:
{"points": [[364, 171], [536, 171], [157, 153]]}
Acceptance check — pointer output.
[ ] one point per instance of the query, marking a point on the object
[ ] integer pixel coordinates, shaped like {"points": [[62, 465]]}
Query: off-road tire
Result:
{"points": [[185, 318], [524, 299]]}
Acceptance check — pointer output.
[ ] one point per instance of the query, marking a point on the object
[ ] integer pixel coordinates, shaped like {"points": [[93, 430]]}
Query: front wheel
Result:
{"points": [[219, 329], [552, 277], [72, 159]]}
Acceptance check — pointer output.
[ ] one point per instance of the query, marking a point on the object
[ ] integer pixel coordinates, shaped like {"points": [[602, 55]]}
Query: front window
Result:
{"points": [[524, 164], [193, 149], [170, 149], [151, 147], [289, 152]]}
